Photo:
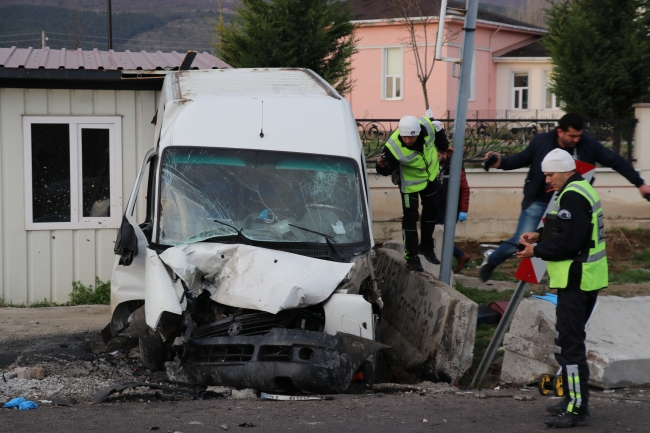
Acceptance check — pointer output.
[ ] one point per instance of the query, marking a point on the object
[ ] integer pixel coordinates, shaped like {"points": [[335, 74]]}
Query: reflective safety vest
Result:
{"points": [[594, 266], [416, 168]]}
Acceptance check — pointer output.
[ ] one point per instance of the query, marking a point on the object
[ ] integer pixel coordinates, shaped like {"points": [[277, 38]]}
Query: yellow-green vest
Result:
{"points": [[594, 269], [416, 169]]}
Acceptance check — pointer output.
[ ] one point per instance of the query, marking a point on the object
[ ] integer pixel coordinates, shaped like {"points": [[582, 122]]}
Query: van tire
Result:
{"points": [[152, 351]]}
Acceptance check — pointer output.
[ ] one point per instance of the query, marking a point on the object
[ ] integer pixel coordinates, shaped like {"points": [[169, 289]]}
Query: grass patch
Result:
{"points": [[642, 259], [484, 334], [4, 304], [85, 295], [630, 276], [484, 297]]}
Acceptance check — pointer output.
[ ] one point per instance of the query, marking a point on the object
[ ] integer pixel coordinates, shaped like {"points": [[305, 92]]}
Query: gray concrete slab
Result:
{"points": [[617, 342]]}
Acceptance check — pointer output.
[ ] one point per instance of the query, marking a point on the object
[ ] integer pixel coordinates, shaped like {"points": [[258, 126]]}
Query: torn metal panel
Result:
{"points": [[284, 360], [255, 278]]}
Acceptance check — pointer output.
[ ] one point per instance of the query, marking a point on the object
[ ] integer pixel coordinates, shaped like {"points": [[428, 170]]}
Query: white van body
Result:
{"points": [[257, 236]]}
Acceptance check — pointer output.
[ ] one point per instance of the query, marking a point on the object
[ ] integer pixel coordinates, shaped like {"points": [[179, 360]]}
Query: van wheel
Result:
{"points": [[152, 351]]}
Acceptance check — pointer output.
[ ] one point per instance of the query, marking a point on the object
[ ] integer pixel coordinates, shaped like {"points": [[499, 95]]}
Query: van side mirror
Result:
{"points": [[126, 244]]}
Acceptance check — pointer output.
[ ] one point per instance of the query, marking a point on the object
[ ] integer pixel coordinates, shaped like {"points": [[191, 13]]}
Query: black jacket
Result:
{"points": [[588, 150], [441, 143], [573, 227]]}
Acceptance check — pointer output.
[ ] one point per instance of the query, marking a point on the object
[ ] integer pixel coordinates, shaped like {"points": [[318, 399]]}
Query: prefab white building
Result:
{"points": [[74, 128]]}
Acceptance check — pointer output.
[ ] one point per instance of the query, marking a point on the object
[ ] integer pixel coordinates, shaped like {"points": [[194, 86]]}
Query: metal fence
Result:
{"points": [[505, 136]]}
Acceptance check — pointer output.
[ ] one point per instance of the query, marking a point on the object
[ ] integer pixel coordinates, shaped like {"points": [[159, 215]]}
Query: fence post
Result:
{"points": [[642, 136]]}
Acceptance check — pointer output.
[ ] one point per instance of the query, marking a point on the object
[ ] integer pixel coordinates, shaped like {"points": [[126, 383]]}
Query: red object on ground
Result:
{"points": [[499, 307], [357, 377]]}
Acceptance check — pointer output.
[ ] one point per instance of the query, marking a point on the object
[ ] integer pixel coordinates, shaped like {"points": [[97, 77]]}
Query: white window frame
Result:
{"points": [[77, 220], [554, 102], [384, 74], [513, 89]]}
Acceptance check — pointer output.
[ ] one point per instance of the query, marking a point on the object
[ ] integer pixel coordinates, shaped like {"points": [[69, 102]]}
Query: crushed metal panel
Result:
{"points": [[256, 278]]}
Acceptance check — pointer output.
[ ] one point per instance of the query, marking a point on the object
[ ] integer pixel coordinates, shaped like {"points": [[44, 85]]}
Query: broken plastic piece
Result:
{"points": [[247, 424], [102, 395], [279, 397], [14, 403], [27, 405]]}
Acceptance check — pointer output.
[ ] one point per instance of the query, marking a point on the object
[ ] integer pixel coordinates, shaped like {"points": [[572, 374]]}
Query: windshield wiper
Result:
{"points": [[234, 228], [328, 241]]}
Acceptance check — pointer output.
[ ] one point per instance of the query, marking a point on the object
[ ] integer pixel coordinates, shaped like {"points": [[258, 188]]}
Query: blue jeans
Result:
{"points": [[529, 219]]}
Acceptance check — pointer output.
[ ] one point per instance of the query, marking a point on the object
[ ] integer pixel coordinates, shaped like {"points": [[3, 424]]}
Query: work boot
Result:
{"points": [[413, 263], [430, 256], [560, 407], [461, 263], [566, 420], [485, 272]]}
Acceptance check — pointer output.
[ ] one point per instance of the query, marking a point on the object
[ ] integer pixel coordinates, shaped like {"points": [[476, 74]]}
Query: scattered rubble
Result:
{"points": [[243, 394], [430, 387], [30, 373]]}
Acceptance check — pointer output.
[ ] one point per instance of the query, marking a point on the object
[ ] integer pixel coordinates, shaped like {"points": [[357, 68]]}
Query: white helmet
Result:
{"points": [[409, 126]]}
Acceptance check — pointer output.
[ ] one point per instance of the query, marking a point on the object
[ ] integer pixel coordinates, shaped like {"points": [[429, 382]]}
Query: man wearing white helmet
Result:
{"points": [[573, 244], [411, 156]]}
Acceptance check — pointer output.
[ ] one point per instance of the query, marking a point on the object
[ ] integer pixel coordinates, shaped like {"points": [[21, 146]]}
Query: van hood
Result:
{"points": [[256, 278]]}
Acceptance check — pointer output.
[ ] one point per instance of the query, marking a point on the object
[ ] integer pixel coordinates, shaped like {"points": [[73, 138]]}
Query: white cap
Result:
{"points": [[409, 126], [558, 161]]}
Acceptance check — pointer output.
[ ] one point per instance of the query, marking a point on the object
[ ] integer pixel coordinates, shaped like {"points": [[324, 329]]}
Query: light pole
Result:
{"points": [[110, 31]]}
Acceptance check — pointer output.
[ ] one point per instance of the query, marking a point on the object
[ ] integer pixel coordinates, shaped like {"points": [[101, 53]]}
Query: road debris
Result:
{"points": [[223, 426], [243, 394], [30, 373], [102, 395], [247, 424], [278, 397]]}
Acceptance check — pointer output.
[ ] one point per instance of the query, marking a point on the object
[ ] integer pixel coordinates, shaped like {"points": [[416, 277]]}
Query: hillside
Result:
{"points": [[165, 29]]}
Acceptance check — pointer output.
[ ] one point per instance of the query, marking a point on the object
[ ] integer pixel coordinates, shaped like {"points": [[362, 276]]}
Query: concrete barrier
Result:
{"points": [[430, 326], [617, 349]]}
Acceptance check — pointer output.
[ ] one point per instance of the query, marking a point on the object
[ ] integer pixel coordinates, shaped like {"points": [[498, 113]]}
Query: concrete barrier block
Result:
{"points": [[430, 326], [617, 349]]}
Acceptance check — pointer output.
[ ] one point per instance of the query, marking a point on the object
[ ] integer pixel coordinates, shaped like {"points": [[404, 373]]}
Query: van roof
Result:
{"points": [[276, 82]]}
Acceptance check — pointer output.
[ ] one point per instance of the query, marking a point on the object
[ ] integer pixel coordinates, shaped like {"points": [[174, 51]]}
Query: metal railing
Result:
{"points": [[505, 136]]}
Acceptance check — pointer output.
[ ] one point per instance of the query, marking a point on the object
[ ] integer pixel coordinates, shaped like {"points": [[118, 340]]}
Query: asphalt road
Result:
{"points": [[346, 413]]}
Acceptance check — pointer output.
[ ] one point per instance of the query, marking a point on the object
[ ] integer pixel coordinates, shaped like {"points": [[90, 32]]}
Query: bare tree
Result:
{"points": [[76, 29], [420, 17]]}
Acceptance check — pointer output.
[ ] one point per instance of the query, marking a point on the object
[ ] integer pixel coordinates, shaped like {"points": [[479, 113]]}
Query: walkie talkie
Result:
{"points": [[491, 161]]}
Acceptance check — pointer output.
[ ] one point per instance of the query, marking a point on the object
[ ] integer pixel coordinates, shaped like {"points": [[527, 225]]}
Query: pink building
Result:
{"points": [[510, 70]]}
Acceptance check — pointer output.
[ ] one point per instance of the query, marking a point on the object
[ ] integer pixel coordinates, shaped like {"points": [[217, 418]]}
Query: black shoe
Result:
{"points": [[430, 256], [485, 272], [560, 407], [566, 420], [413, 263]]}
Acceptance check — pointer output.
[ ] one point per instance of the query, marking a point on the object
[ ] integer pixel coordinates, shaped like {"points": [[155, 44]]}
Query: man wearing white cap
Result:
{"points": [[412, 153], [573, 244]]}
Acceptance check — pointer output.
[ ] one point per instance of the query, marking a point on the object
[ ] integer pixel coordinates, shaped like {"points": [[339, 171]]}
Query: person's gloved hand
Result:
{"points": [[462, 216], [429, 113]]}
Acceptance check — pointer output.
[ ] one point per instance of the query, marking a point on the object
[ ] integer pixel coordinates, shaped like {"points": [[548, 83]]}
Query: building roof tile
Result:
{"points": [[31, 58]]}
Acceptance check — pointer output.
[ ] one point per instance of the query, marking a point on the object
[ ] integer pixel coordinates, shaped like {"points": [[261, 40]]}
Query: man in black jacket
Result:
{"points": [[568, 136]]}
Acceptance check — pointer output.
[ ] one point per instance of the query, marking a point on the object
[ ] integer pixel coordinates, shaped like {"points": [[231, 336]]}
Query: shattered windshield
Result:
{"points": [[272, 196]]}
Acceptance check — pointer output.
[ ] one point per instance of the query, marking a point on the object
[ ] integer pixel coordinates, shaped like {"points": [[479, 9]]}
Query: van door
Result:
{"points": [[127, 281]]}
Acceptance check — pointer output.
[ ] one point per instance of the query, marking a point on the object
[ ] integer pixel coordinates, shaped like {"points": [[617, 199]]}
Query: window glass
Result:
{"points": [[271, 196], [95, 164], [50, 172], [521, 80], [393, 61], [524, 99]]}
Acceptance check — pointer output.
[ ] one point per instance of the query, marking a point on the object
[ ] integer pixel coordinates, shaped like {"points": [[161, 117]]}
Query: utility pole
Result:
{"points": [[464, 87], [110, 30]]}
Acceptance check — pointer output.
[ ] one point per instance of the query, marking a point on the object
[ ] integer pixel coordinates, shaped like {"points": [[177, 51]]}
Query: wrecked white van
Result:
{"points": [[252, 266]]}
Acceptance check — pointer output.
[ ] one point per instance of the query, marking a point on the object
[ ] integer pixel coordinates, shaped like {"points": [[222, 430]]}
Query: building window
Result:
{"points": [[73, 174], [520, 91], [550, 101], [393, 69]]}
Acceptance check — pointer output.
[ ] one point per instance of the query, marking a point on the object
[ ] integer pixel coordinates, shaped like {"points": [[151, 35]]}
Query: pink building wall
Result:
{"points": [[366, 97]]}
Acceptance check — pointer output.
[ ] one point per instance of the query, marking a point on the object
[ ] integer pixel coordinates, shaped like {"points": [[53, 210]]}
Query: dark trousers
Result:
{"points": [[410, 207], [574, 306]]}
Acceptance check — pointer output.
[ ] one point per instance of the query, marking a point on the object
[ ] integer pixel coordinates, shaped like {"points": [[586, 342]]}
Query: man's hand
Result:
{"points": [[644, 189], [462, 216], [450, 151], [496, 164], [381, 161], [527, 252], [529, 237]]}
